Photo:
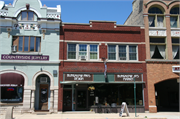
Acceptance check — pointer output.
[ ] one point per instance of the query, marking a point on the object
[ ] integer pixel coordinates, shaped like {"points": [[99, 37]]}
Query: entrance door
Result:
{"points": [[167, 95], [81, 99], [43, 97], [67, 100]]}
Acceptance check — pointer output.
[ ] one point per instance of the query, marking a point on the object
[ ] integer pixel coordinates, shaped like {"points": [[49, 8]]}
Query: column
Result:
{"points": [[51, 101], [32, 101], [168, 38], [146, 25], [56, 100], [26, 100], [73, 108]]}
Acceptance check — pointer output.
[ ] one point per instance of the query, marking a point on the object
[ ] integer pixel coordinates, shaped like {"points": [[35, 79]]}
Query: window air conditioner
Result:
{"points": [[14, 48], [83, 57], [43, 80], [122, 58]]}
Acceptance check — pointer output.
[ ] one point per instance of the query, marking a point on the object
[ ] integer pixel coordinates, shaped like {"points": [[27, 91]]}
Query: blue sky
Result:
{"points": [[81, 11]]}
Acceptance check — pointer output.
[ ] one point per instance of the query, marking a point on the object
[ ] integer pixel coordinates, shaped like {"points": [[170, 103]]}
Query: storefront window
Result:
{"points": [[11, 94], [115, 94]]}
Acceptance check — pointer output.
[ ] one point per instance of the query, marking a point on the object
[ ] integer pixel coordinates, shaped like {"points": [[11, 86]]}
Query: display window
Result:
{"points": [[11, 94], [115, 94]]}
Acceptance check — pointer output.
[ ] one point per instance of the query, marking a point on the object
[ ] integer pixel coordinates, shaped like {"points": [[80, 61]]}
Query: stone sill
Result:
{"points": [[11, 104], [162, 61]]}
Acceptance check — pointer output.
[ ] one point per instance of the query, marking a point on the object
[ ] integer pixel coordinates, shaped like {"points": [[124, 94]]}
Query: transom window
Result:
{"points": [[157, 48], [174, 18], [174, 10], [155, 10], [156, 17], [122, 52], [27, 16], [27, 43], [82, 51], [175, 47]]}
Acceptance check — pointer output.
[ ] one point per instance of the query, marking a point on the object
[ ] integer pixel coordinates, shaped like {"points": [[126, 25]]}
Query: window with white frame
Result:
{"points": [[175, 47], [82, 51], [122, 52], [158, 48], [112, 52], [156, 17], [174, 18]]}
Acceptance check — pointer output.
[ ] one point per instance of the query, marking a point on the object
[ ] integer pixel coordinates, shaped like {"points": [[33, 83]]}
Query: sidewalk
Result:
{"points": [[159, 115]]}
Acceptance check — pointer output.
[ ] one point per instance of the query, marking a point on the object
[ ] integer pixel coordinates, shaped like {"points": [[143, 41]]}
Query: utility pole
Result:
{"points": [[135, 96]]}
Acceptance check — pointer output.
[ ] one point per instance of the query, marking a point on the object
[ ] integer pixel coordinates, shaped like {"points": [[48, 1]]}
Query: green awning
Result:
{"points": [[95, 82]]}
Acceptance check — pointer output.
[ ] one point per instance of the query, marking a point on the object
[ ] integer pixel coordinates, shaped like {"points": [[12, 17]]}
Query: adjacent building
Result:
{"points": [[160, 19], [29, 56], [99, 63]]}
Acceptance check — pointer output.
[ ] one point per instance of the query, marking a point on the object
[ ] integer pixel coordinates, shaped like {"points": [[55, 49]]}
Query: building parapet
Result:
{"points": [[3, 12]]}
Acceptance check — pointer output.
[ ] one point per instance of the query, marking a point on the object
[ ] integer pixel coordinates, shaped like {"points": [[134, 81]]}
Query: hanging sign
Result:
{"points": [[124, 107]]}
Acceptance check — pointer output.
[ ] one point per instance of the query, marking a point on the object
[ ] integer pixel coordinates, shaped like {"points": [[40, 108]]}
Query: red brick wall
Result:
{"points": [[158, 72], [104, 33]]}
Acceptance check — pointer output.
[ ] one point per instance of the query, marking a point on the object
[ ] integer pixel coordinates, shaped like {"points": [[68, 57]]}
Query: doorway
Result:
{"points": [[43, 97], [81, 100], [42, 93], [67, 100], [167, 95]]}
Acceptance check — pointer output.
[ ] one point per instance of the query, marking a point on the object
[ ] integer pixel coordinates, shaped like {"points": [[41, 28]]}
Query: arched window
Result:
{"points": [[174, 17], [155, 10], [156, 17], [174, 10], [27, 16]]}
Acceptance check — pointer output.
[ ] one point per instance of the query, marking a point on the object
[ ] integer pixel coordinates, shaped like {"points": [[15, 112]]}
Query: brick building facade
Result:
{"points": [[161, 23], [99, 62]]}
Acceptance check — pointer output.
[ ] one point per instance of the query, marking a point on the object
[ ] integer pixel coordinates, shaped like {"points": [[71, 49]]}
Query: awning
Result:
{"points": [[11, 79], [95, 82]]}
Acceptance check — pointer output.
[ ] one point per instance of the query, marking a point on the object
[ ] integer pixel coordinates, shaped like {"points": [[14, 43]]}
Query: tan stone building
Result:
{"points": [[161, 21]]}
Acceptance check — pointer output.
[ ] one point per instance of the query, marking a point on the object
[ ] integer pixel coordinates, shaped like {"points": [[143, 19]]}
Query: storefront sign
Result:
{"points": [[24, 57], [91, 93], [10, 85], [176, 69], [153, 32], [78, 77], [175, 33], [128, 77]]}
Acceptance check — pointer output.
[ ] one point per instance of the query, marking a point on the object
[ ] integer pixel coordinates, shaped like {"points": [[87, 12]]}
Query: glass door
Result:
{"points": [[43, 93], [67, 100], [81, 99]]}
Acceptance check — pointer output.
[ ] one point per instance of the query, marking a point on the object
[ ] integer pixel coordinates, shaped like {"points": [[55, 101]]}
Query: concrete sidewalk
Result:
{"points": [[159, 115]]}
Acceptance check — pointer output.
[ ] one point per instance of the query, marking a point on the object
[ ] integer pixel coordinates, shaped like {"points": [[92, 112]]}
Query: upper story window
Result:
{"points": [[27, 43], [156, 17], [122, 52], [174, 18], [82, 51], [157, 48], [27, 16], [175, 48]]}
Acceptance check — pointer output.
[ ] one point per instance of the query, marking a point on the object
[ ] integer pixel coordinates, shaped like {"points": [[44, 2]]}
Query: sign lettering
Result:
{"points": [[128, 77], [78, 77], [24, 57]]}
